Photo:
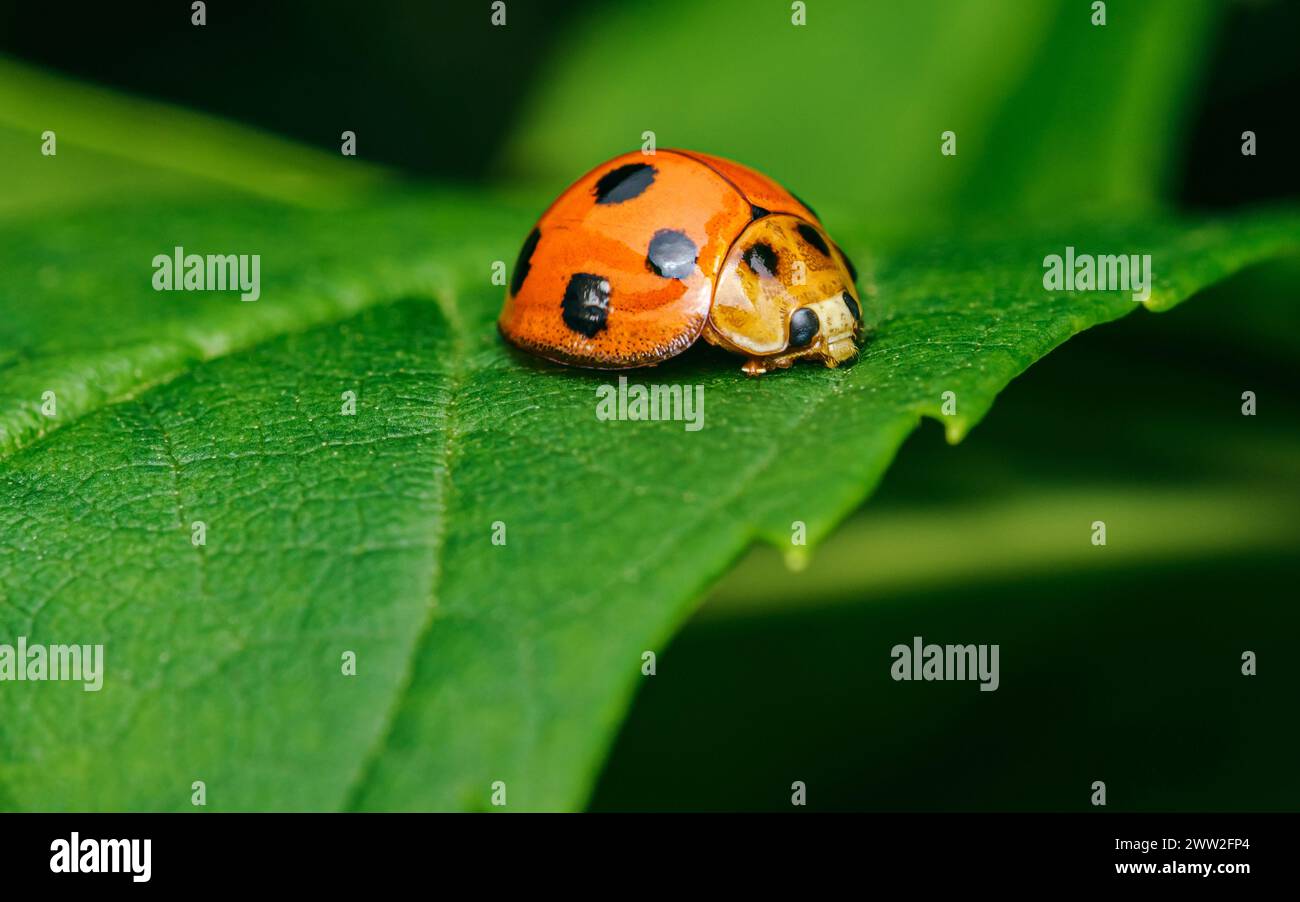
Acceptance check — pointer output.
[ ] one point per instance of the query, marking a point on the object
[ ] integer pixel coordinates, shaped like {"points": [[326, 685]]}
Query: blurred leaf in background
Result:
{"points": [[1052, 114], [428, 88], [116, 149]]}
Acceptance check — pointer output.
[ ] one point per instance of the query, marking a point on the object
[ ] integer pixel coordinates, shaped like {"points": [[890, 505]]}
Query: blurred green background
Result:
{"points": [[1115, 660]]}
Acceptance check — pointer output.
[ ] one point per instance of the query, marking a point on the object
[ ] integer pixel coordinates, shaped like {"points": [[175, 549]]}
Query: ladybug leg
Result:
{"points": [[757, 366]]}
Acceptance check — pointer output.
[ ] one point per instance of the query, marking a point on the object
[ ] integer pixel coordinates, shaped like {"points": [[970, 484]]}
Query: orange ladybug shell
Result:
{"points": [[619, 271]]}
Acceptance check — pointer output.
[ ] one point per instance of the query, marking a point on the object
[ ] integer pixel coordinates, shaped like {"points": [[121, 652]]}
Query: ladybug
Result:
{"points": [[645, 254]]}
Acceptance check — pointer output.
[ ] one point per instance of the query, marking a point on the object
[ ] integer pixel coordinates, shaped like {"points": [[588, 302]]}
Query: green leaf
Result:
{"points": [[110, 146], [848, 110], [372, 533]]}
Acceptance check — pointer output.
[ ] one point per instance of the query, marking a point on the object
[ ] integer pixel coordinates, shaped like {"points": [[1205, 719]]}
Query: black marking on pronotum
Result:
{"points": [[803, 327], [852, 305], [757, 212], [624, 183], [853, 270], [807, 206], [586, 303], [813, 237], [761, 259], [525, 261], [671, 254]]}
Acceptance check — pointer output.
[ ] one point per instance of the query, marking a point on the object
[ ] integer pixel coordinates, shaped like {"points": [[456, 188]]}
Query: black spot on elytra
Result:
{"points": [[852, 305], [586, 303], [803, 327], [813, 237], [671, 254], [761, 259], [525, 261], [757, 212], [853, 270], [807, 206], [624, 183]]}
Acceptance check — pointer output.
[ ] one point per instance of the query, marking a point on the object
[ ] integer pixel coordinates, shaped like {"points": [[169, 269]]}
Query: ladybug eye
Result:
{"points": [[803, 327], [852, 305]]}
